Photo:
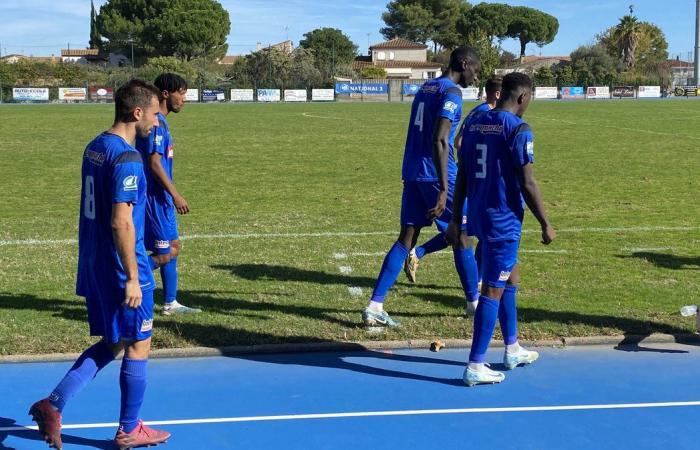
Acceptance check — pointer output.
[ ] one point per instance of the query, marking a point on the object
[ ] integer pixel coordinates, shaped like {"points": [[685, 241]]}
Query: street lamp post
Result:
{"points": [[697, 42]]}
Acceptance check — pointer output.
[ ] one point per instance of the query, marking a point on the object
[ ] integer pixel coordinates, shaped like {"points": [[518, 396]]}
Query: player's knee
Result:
{"points": [[514, 279], [138, 349]]}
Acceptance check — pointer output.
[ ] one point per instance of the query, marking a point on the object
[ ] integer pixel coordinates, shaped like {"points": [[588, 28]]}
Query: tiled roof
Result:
{"points": [[399, 43], [397, 64], [80, 52], [675, 63]]}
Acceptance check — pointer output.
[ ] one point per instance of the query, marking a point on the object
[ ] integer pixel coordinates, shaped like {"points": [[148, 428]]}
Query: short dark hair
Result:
{"points": [[134, 94], [170, 82], [515, 82], [493, 84], [462, 54]]}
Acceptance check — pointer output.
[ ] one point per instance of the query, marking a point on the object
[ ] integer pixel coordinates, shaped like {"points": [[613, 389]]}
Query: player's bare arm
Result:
{"points": [[125, 242], [533, 199], [161, 176], [441, 154]]}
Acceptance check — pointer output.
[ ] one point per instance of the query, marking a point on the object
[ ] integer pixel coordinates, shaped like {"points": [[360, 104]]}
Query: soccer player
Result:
{"points": [[496, 175], [164, 200], [427, 192], [114, 273], [437, 243]]}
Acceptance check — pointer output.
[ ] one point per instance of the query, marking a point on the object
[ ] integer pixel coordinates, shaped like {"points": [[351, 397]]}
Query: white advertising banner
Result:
{"points": [[470, 93], [30, 94], [242, 95], [598, 92], [269, 95], [546, 92], [649, 92], [295, 95], [322, 95], [72, 94], [192, 95]]}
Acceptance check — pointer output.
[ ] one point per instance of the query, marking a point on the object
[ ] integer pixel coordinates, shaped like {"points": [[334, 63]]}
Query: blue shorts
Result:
{"points": [[497, 261], [419, 197], [161, 227], [111, 319]]}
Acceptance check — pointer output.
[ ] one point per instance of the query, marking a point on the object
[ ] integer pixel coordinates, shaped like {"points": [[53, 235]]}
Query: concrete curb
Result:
{"points": [[195, 352]]}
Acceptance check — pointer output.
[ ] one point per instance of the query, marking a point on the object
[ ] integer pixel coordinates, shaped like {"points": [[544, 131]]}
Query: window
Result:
{"points": [[381, 56], [391, 56], [430, 75]]}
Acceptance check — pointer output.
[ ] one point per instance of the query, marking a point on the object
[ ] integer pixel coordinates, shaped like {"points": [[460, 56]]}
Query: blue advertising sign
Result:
{"points": [[361, 88], [572, 92], [213, 95], [411, 89]]}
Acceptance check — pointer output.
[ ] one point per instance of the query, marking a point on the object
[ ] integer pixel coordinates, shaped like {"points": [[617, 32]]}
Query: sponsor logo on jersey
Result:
{"points": [[94, 157], [531, 148], [504, 276], [170, 152], [162, 244], [464, 220], [486, 129], [131, 183], [146, 325], [450, 106]]}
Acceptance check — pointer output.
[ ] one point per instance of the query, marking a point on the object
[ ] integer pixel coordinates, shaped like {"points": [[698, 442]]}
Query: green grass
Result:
{"points": [[257, 169]]}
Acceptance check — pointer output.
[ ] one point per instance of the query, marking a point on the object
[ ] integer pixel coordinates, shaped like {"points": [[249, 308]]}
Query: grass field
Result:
{"points": [[277, 192]]}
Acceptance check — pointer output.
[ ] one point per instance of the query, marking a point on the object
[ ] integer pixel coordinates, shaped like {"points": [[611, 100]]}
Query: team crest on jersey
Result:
{"points": [[530, 148], [504, 276], [464, 220], [158, 140], [146, 325], [131, 183], [450, 106]]}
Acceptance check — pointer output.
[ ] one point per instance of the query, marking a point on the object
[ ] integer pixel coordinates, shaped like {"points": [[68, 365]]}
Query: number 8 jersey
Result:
{"points": [[494, 145], [436, 99], [112, 172]]}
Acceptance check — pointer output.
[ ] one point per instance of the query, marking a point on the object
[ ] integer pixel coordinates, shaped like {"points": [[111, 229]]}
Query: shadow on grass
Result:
{"points": [[667, 261], [254, 272], [33, 435]]}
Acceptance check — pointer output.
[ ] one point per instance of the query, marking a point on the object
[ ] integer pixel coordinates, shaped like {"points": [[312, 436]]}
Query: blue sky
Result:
{"points": [[43, 27]]}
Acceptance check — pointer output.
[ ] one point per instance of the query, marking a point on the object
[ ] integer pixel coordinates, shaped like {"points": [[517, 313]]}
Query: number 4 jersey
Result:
{"points": [[494, 147], [112, 172], [436, 99]]}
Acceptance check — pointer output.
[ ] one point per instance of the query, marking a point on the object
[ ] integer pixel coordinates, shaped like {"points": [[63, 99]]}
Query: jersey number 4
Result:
{"points": [[89, 203], [419, 116]]}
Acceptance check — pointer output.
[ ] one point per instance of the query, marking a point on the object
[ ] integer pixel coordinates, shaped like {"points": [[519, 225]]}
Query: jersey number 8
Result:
{"points": [[89, 208]]}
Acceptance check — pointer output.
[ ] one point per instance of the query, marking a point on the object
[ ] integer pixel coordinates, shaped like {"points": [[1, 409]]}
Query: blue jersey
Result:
{"points": [[112, 173], [161, 142], [436, 99], [496, 144], [482, 108]]}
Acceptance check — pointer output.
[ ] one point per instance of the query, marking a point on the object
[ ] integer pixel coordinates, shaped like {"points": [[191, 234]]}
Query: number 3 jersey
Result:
{"points": [[436, 99], [112, 172], [494, 147]]}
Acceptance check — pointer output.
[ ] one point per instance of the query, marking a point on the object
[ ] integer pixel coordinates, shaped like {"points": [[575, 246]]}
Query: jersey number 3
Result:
{"points": [[481, 160], [419, 116], [89, 203]]}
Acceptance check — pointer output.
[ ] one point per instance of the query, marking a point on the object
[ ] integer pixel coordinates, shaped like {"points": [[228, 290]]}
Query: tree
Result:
{"points": [[593, 66], [95, 38], [626, 36], [163, 64], [373, 72], [531, 25], [488, 52], [544, 77], [331, 48], [186, 29], [424, 20], [492, 19], [304, 72], [269, 68], [565, 76]]}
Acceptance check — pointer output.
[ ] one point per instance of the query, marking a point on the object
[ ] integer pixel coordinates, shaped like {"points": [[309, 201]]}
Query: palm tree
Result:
{"points": [[626, 34]]}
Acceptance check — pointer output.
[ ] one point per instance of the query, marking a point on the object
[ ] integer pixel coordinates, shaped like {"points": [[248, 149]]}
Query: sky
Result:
{"points": [[43, 27]]}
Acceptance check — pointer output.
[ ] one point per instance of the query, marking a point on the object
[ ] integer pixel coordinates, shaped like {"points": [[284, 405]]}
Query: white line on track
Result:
{"points": [[345, 269], [355, 291], [415, 412], [321, 117], [223, 236], [615, 127]]}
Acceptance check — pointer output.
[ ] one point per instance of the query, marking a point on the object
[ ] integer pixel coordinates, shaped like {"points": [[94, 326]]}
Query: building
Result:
{"points": [[285, 47], [531, 64], [682, 72], [14, 58], [83, 56], [401, 59], [228, 60]]}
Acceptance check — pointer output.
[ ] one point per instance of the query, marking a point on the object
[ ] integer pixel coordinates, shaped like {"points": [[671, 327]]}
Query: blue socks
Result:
{"points": [[83, 371], [468, 272], [434, 245], [484, 324], [393, 263], [508, 315], [132, 381], [168, 273]]}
